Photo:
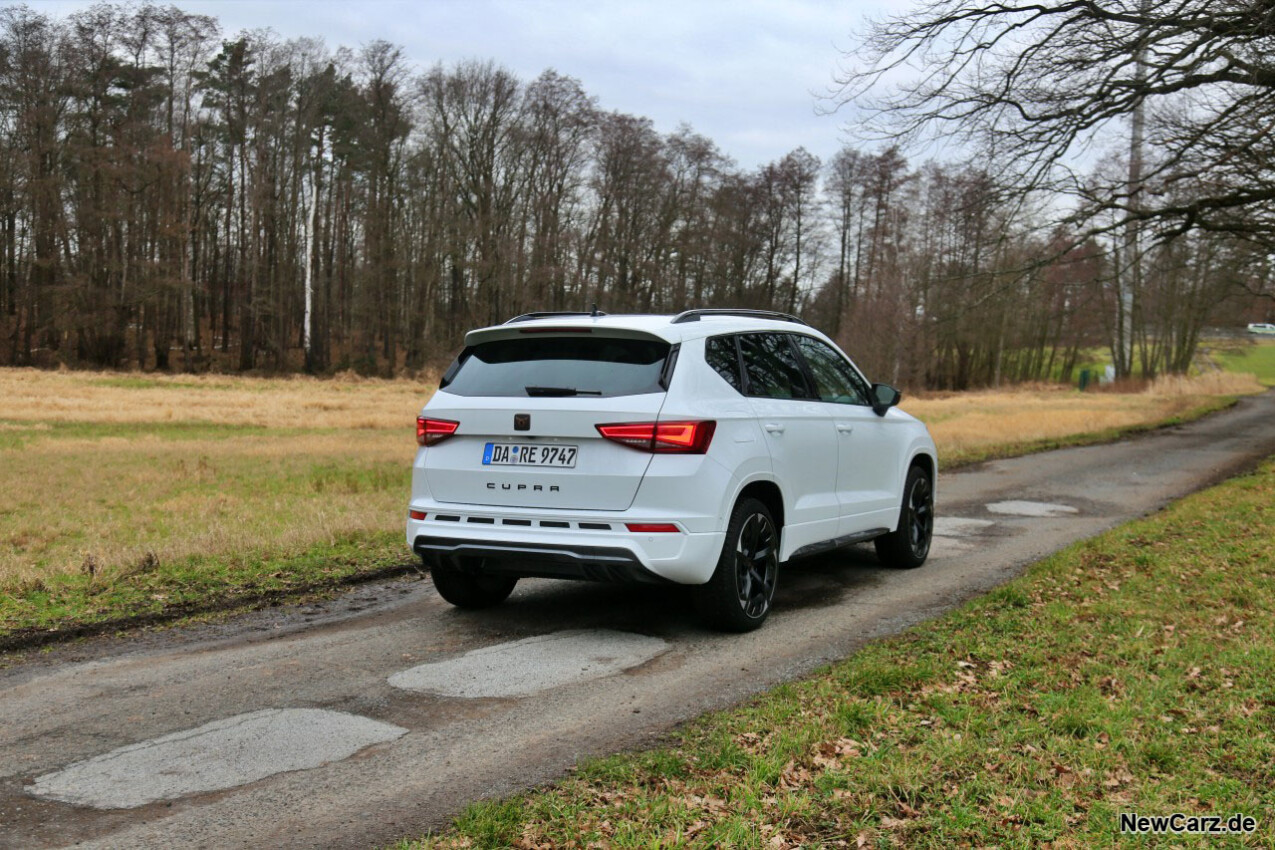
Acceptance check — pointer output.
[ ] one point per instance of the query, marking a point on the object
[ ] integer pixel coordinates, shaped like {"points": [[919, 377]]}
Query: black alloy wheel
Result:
{"points": [[737, 598], [909, 545], [756, 564], [920, 517]]}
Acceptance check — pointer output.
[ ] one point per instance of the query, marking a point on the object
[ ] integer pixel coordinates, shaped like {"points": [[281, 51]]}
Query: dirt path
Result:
{"points": [[372, 717]]}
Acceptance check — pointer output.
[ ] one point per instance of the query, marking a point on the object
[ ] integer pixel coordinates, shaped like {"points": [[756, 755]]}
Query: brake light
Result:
{"points": [[662, 437], [645, 527], [431, 431]]}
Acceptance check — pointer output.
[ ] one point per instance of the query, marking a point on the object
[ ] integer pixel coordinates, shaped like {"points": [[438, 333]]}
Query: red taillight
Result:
{"points": [[431, 431], [643, 527], [639, 435], [416, 514], [663, 437]]}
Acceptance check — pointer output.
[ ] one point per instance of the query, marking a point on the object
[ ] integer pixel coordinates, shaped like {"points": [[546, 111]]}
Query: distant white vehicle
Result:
{"points": [[1261, 328], [704, 449]]}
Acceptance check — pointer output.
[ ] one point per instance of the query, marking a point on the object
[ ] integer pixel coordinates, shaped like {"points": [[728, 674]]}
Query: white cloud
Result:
{"points": [[743, 73]]}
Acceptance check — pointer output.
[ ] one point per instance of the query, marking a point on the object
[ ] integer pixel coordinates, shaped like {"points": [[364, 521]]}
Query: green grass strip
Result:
{"points": [[16, 434], [1131, 673]]}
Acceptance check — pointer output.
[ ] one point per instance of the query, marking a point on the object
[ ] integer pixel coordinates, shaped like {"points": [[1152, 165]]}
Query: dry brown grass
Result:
{"points": [[69, 496], [1210, 383], [346, 401], [964, 422], [338, 463], [115, 499]]}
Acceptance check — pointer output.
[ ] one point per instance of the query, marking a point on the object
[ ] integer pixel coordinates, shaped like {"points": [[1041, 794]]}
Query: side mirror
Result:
{"points": [[884, 397]]}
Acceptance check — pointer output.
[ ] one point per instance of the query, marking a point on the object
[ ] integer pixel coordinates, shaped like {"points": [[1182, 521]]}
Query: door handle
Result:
{"points": [[774, 427], [845, 427]]}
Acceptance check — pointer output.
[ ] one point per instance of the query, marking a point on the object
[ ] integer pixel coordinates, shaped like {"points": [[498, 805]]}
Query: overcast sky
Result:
{"points": [[745, 73]]}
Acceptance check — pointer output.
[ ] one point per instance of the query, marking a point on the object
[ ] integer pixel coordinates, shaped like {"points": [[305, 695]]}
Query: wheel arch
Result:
{"points": [[925, 460], [768, 493]]}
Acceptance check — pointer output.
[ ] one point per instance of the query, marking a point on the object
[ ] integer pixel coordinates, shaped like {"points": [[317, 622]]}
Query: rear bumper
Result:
{"points": [[543, 560], [565, 549]]}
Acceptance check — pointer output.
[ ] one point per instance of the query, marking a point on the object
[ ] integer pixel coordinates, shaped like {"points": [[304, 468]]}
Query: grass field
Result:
{"points": [[127, 495], [1253, 356], [1242, 353], [1130, 673], [974, 426]]}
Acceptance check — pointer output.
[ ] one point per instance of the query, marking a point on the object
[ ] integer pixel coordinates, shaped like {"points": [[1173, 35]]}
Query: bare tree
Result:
{"points": [[259, 203], [1040, 83]]}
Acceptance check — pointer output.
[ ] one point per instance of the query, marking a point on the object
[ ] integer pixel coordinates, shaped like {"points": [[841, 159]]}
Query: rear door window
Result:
{"points": [[568, 365], [771, 367]]}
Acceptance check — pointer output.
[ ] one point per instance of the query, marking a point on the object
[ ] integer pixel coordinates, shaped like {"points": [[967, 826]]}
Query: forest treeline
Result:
{"points": [[173, 198]]}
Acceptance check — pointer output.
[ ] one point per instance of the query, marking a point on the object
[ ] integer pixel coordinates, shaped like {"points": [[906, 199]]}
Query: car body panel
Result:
{"points": [[870, 470], [801, 439], [605, 476], [833, 484]]}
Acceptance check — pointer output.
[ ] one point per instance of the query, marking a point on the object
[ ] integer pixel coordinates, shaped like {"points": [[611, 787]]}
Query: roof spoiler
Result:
{"points": [[593, 312]]}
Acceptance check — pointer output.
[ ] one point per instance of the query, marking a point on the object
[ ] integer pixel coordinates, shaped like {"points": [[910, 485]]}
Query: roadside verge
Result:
{"points": [[1128, 673]]}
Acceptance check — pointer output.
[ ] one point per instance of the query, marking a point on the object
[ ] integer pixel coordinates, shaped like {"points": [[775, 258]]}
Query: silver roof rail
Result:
{"points": [[695, 315]]}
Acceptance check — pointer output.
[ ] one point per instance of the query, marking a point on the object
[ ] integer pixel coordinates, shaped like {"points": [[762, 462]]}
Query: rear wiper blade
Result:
{"points": [[559, 391]]}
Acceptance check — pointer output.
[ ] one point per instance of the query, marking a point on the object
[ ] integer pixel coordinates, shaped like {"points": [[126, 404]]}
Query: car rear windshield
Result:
{"points": [[596, 366]]}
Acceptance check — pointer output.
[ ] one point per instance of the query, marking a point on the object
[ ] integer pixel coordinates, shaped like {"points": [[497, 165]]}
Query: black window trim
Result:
{"points": [[811, 386], [670, 364], [745, 385], [459, 361]]}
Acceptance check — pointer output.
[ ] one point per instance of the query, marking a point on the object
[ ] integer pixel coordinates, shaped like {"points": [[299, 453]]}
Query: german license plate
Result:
{"points": [[530, 454]]}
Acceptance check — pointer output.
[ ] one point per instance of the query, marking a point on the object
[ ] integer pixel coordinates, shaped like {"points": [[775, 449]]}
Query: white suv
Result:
{"points": [[702, 449]]}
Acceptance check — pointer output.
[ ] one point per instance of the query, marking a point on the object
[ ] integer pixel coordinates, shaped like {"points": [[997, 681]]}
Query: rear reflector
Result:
{"points": [[644, 527], [416, 514], [662, 437], [431, 431]]}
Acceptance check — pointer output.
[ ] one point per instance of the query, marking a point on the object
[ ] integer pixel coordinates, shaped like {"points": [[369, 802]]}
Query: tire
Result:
{"points": [[466, 588], [737, 598], [909, 545]]}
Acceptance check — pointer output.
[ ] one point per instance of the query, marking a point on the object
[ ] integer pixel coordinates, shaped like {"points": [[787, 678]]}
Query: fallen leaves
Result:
{"points": [[1011, 728], [1117, 778]]}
